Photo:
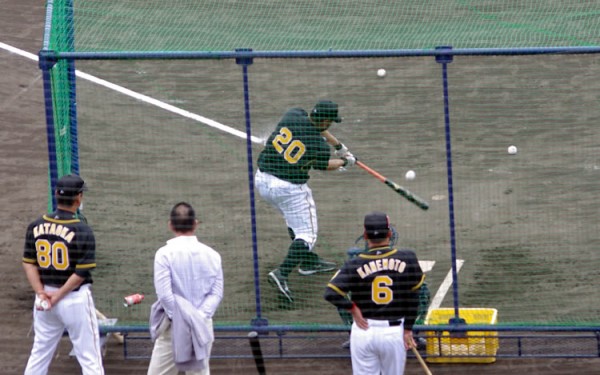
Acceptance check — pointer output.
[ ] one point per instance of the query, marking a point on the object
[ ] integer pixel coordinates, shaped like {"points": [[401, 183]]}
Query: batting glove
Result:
{"points": [[341, 150], [349, 160]]}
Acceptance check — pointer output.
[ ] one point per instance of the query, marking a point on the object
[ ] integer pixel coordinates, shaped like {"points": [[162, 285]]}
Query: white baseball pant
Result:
{"points": [[378, 349], [77, 314], [294, 201]]}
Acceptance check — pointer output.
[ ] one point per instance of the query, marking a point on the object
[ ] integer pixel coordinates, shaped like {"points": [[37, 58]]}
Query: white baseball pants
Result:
{"points": [[378, 350], [294, 201], [77, 314]]}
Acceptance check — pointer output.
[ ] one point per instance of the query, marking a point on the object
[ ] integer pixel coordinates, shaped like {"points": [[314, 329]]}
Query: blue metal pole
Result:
{"points": [[46, 62], [245, 62], [72, 89], [308, 54], [445, 59]]}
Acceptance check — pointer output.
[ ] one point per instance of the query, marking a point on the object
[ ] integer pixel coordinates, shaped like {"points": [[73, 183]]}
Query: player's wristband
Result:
{"points": [[345, 161], [338, 147]]}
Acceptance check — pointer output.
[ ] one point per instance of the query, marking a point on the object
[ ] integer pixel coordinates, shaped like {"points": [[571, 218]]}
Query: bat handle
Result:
{"points": [[421, 361]]}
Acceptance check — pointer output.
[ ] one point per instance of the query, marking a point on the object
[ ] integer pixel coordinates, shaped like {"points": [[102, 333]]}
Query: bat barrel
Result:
{"points": [[257, 352]]}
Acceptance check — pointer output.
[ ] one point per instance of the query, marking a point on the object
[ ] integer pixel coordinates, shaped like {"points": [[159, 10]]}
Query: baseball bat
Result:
{"points": [[421, 361], [419, 202], [257, 352]]}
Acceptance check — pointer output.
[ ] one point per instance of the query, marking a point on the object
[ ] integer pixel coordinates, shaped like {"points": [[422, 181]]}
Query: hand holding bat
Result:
{"points": [[349, 160]]}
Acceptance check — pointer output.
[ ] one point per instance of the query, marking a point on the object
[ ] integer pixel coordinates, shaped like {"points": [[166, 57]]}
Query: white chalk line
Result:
{"points": [[143, 98], [436, 302]]}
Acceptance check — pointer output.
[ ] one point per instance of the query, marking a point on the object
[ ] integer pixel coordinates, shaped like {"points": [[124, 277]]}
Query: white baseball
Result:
{"points": [[41, 304], [381, 73], [410, 175], [512, 150]]}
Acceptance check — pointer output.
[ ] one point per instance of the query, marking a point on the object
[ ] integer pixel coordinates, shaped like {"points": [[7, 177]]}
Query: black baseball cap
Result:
{"points": [[326, 110], [377, 225], [70, 185]]}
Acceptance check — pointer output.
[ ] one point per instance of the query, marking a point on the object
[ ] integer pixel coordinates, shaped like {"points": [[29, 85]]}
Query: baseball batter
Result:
{"points": [[380, 288], [58, 257], [296, 146]]}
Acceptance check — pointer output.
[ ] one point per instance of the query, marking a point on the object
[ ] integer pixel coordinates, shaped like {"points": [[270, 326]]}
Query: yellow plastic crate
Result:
{"points": [[472, 347]]}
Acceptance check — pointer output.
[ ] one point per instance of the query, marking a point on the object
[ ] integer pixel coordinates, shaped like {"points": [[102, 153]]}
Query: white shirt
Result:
{"points": [[190, 269]]}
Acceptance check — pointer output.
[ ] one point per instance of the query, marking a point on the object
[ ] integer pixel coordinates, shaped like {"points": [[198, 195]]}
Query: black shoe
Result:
{"points": [[320, 266], [280, 282]]}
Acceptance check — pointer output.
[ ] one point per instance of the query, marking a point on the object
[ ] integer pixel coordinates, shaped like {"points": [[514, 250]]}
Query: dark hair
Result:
{"points": [[183, 217], [65, 200]]}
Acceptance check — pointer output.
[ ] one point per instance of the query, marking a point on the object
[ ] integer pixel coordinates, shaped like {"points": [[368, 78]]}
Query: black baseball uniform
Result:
{"points": [[384, 284], [60, 244]]}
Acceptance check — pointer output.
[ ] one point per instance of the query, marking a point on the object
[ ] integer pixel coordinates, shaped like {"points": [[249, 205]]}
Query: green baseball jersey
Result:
{"points": [[293, 148]]}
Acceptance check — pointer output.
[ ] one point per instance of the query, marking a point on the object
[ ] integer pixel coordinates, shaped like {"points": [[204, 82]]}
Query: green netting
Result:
{"points": [[190, 25], [62, 92], [526, 224], [62, 118]]}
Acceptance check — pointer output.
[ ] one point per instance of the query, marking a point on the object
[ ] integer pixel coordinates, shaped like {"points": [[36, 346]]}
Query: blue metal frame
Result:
{"points": [[245, 62], [446, 59], [72, 89], [244, 57], [516, 338], [211, 55], [46, 62], [343, 328]]}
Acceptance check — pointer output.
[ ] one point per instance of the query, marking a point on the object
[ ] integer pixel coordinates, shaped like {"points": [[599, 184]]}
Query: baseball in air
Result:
{"points": [[512, 150], [381, 73], [410, 175]]}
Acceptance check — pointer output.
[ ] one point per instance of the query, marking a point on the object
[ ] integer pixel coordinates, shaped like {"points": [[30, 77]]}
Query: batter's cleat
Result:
{"points": [[320, 266], [280, 282]]}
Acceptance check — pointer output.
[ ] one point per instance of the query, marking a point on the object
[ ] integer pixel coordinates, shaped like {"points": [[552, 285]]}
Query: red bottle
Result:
{"points": [[133, 299]]}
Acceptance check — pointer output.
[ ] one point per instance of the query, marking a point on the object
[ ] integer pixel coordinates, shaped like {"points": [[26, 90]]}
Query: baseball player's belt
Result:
{"points": [[392, 323]]}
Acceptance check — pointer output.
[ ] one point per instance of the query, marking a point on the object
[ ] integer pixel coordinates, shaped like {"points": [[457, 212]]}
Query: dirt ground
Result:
{"points": [[23, 179]]}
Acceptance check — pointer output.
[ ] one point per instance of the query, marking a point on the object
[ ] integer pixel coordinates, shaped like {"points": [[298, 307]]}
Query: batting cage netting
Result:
{"points": [[174, 101]]}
